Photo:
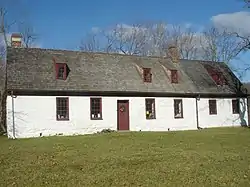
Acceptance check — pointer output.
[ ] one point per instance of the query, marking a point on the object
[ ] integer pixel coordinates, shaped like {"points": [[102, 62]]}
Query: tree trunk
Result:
{"points": [[3, 113]]}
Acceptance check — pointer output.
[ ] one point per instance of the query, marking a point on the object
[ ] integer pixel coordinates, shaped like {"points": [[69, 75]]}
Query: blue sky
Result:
{"points": [[62, 24]]}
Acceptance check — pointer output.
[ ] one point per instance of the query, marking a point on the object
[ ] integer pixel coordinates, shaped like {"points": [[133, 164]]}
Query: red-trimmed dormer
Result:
{"points": [[174, 76], [147, 75], [61, 71], [216, 75]]}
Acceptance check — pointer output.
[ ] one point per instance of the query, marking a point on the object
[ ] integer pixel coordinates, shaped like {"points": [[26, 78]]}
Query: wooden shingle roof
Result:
{"points": [[34, 69]]}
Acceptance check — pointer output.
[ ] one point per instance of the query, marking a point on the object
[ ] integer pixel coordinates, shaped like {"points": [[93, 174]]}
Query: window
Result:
{"points": [[174, 76], [178, 108], [218, 78], [150, 108], [216, 75], [96, 108], [236, 106], [62, 108], [61, 71], [212, 107], [147, 76]]}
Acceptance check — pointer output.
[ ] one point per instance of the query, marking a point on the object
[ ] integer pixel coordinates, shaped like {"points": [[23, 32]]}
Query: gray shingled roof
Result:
{"points": [[33, 69]]}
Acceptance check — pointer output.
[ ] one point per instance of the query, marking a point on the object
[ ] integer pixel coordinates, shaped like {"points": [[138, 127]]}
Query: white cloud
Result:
{"points": [[129, 30], [95, 29], [237, 21]]}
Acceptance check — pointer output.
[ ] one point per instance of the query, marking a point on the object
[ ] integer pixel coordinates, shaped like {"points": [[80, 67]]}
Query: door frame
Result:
{"points": [[117, 113]]}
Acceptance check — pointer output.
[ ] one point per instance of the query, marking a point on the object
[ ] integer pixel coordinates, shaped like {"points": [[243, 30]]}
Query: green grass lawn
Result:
{"points": [[211, 157]]}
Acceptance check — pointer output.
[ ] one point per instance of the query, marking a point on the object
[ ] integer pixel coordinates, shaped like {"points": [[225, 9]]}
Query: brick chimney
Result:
{"points": [[173, 53], [16, 40]]}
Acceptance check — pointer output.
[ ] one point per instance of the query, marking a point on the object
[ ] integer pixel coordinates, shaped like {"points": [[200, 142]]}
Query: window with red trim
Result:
{"points": [[61, 71], [174, 76], [216, 75], [96, 108], [147, 76], [62, 108], [236, 106], [212, 107], [150, 108], [178, 108]]}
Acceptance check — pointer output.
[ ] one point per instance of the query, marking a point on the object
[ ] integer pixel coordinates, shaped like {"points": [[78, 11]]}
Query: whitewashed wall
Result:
{"points": [[224, 116], [37, 114]]}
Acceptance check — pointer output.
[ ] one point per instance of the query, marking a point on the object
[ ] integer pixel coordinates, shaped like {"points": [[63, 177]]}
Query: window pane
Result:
{"points": [[95, 112], [178, 111], [61, 69], [236, 106], [147, 75], [174, 76], [60, 72], [150, 108], [62, 108], [212, 107]]}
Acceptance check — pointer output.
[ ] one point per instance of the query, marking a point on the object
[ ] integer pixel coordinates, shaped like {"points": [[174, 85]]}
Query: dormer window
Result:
{"points": [[174, 76], [218, 78], [216, 75], [61, 71], [147, 75]]}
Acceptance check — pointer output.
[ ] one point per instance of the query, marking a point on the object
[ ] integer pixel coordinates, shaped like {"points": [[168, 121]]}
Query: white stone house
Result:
{"points": [[52, 92]]}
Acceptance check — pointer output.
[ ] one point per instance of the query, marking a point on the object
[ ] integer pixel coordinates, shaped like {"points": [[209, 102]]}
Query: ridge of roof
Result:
{"points": [[108, 54]]}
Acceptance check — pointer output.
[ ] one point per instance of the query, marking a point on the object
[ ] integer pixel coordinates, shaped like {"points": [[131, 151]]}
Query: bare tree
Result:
{"points": [[243, 37], [186, 39], [214, 44], [244, 42], [129, 40], [91, 43], [144, 39], [157, 38], [247, 3], [147, 39], [219, 45], [3, 35], [29, 36], [120, 39]]}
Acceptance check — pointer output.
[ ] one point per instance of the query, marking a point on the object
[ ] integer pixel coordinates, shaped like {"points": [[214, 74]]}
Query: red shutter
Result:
{"points": [[65, 71], [57, 68]]}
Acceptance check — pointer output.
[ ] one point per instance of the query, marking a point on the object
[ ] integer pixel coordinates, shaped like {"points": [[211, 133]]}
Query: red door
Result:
{"points": [[123, 114]]}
